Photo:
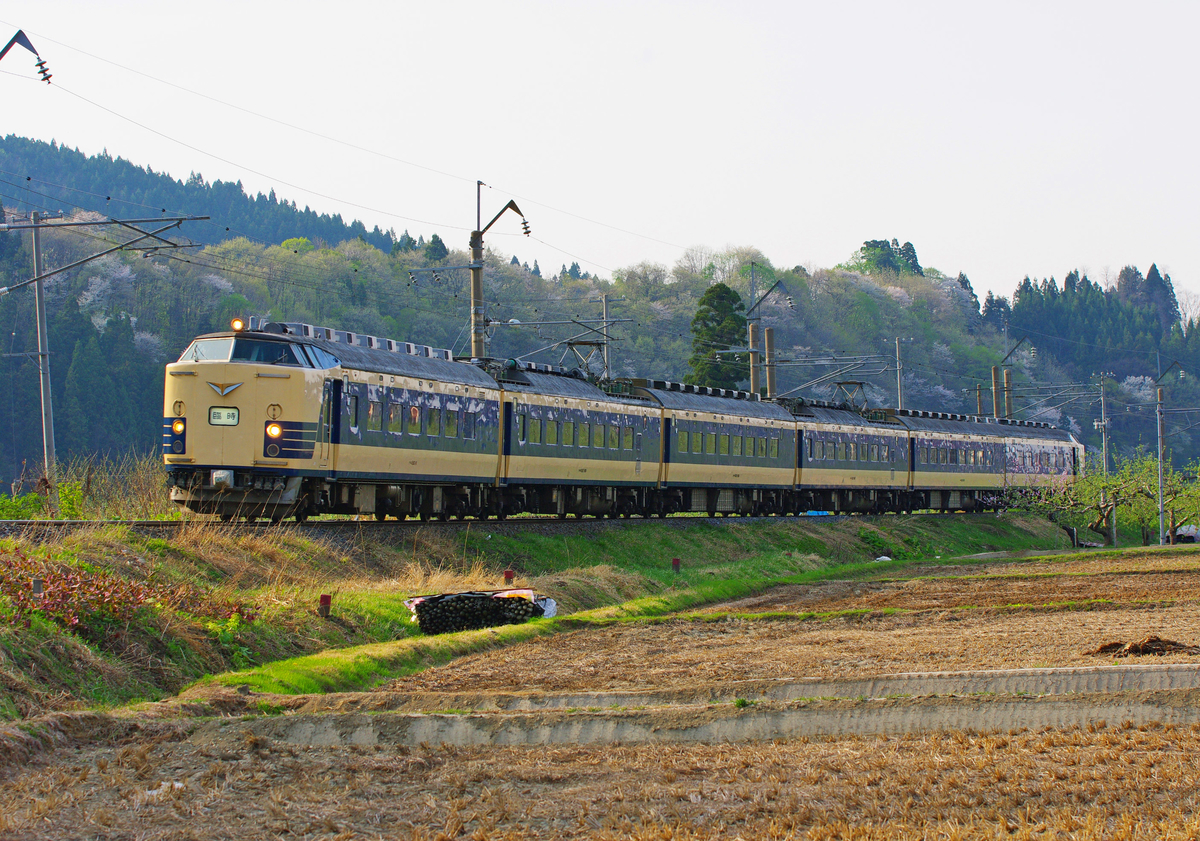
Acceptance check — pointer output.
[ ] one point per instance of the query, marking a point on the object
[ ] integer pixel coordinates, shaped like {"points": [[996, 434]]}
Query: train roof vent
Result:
{"points": [[441, 353], [296, 328], [389, 344]]}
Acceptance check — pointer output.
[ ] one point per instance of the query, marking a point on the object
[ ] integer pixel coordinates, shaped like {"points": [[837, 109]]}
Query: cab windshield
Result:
{"points": [[207, 350], [267, 353]]}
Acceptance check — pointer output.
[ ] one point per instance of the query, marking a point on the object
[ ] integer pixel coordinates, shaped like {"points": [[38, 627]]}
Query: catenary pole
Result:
{"points": [[43, 340]]}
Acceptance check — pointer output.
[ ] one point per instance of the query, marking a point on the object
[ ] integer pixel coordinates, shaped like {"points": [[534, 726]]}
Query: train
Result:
{"points": [[281, 419]]}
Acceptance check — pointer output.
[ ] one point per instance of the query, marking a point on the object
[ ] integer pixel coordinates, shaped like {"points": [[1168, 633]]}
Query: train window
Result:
{"points": [[614, 437], [697, 442], [552, 432], [352, 410], [874, 452], [944, 455], [270, 353], [585, 434], [207, 350], [818, 450], [736, 441], [374, 416], [773, 448], [762, 448], [321, 359], [451, 423], [395, 418], [628, 438], [710, 443], [749, 439], [841, 451], [723, 444], [886, 451], [598, 436], [683, 441], [568, 433], [535, 430], [852, 451], [521, 428], [808, 449], [468, 425], [414, 420], [433, 422]]}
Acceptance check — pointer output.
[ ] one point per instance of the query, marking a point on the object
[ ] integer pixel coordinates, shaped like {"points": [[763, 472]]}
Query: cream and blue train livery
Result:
{"points": [[290, 419]]}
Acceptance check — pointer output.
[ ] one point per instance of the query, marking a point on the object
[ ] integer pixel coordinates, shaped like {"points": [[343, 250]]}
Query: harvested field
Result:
{"points": [[1085, 783], [339, 766]]}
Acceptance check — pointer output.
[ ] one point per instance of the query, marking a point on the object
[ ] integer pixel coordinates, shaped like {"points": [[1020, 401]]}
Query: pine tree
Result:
{"points": [[436, 250], [717, 325]]}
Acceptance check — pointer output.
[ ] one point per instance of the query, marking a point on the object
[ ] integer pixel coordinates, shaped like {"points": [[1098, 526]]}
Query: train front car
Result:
{"points": [[242, 420]]}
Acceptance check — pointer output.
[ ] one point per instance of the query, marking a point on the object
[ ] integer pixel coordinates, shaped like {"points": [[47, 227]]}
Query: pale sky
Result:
{"points": [[1002, 139]]}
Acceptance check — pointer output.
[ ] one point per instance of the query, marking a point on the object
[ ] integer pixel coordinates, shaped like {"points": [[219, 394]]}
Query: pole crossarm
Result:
{"points": [[4, 290]]}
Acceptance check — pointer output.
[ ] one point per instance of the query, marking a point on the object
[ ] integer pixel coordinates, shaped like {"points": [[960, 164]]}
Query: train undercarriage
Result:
{"points": [[232, 494]]}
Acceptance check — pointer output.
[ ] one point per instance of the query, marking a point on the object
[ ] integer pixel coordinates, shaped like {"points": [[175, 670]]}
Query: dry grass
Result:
{"points": [[132, 486], [1115, 781]]}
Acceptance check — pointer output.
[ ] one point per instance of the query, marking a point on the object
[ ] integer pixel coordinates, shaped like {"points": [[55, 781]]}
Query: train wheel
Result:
{"points": [[276, 519], [562, 515], [424, 516], [443, 516], [301, 515], [381, 516]]}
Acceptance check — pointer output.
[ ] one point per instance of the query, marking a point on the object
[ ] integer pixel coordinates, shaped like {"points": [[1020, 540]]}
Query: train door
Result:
{"points": [[664, 448], [331, 397], [637, 454], [507, 428], [912, 462]]}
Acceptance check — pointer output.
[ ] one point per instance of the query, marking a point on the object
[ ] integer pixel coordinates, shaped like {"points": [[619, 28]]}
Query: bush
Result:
{"points": [[91, 601]]}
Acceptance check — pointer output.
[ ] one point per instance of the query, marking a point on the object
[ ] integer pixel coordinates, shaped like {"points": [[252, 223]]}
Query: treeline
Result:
{"points": [[38, 176]]}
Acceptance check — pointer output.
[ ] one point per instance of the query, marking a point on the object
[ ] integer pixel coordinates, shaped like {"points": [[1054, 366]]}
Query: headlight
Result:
{"points": [[274, 430], [238, 325], [178, 426]]}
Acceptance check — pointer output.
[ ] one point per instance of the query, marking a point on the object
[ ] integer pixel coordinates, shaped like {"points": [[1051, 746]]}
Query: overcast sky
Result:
{"points": [[1002, 139]]}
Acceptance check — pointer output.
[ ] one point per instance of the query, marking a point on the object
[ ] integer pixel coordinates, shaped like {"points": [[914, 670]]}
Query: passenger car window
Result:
{"points": [[736, 441], [433, 422], [614, 437], [723, 447], [773, 448], [598, 436], [352, 410], [628, 433], [762, 447], [697, 442], [552, 433], [451, 423], [468, 425], [395, 418], [535, 431], [374, 416], [683, 441], [414, 420], [585, 434], [568, 433]]}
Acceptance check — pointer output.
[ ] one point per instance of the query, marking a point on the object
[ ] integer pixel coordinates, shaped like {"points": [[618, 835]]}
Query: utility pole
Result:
{"points": [[769, 344], [899, 387], [1159, 414], [1008, 392], [43, 336], [43, 340], [478, 325], [979, 400], [604, 315], [753, 327], [996, 391]]}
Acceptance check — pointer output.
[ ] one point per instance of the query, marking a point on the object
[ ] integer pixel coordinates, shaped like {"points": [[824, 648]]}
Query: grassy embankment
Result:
{"points": [[241, 605]]}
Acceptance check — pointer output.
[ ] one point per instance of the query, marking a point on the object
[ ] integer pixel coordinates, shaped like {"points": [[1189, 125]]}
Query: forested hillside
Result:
{"points": [[116, 321]]}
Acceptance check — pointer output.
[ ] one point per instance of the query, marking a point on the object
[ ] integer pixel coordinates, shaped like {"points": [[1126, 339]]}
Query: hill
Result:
{"points": [[116, 321]]}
